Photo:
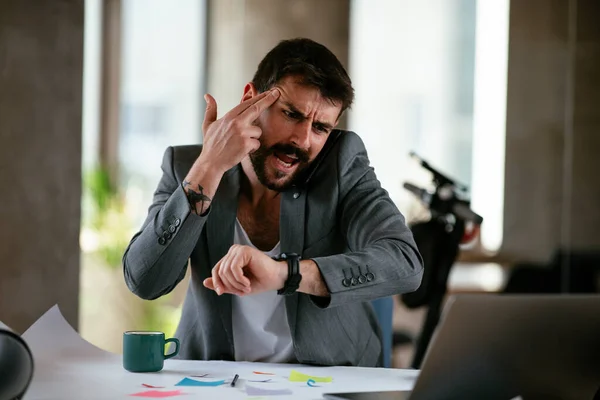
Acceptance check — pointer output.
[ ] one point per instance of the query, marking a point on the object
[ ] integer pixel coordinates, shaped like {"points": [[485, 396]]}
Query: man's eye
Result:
{"points": [[290, 114], [320, 129]]}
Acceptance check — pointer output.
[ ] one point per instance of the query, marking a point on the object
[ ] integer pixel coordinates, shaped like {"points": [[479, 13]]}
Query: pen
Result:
{"points": [[235, 378]]}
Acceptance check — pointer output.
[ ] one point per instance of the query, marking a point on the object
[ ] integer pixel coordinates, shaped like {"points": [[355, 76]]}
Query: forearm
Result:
{"points": [[200, 185], [157, 256], [312, 281], [387, 268]]}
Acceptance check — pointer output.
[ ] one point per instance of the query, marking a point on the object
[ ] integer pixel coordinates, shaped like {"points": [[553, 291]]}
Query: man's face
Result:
{"points": [[294, 130]]}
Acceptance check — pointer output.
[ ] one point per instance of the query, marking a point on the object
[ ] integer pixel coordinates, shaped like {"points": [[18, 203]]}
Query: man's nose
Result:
{"points": [[301, 136]]}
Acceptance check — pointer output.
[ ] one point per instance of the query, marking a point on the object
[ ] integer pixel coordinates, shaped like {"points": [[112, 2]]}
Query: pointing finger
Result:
{"points": [[237, 110], [251, 113]]}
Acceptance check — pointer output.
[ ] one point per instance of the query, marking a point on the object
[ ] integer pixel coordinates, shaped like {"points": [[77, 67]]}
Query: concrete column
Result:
{"points": [[241, 32], [584, 190], [41, 60], [552, 140]]}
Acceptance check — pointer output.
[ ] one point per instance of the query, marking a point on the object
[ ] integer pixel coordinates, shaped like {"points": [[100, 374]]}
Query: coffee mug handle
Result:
{"points": [[174, 353]]}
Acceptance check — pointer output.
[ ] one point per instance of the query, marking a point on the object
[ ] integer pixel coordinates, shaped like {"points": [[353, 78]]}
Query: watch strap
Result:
{"points": [[292, 283]]}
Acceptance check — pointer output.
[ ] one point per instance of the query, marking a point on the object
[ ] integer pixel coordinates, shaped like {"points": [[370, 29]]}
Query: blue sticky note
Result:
{"points": [[193, 382]]}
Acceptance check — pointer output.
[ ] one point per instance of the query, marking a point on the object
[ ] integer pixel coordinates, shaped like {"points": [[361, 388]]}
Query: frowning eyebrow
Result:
{"points": [[325, 125]]}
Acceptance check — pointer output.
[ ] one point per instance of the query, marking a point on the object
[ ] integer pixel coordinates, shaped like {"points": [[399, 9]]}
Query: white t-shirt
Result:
{"points": [[260, 328]]}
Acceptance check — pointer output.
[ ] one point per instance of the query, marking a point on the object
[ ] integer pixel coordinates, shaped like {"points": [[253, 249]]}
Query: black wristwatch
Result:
{"points": [[293, 281]]}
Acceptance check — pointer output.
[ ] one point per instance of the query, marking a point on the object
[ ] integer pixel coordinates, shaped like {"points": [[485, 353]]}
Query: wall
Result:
{"points": [[552, 141], [41, 58], [241, 32]]}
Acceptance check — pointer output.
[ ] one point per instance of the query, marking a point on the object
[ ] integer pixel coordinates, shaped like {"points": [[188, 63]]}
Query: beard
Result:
{"points": [[275, 179]]}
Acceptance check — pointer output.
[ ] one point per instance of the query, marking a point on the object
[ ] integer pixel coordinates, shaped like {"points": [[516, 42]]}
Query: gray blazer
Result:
{"points": [[339, 216]]}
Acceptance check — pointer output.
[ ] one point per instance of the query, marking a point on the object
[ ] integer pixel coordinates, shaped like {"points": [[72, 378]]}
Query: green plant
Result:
{"points": [[107, 230], [105, 218]]}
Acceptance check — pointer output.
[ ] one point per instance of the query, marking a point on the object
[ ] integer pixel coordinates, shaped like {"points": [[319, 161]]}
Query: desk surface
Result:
{"points": [[105, 378], [68, 367]]}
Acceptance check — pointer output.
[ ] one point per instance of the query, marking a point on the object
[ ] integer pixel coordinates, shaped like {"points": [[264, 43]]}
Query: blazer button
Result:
{"points": [[346, 282], [370, 276], [362, 279], [162, 241], [177, 222], [172, 228], [354, 281], [166, 235], [296, 195]]}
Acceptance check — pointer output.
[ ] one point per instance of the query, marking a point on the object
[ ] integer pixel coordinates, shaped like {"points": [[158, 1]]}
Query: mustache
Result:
{"points": [[302, 155]]}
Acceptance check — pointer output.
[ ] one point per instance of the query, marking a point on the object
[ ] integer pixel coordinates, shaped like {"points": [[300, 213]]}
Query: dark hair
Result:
{"points": [[314, 65]]}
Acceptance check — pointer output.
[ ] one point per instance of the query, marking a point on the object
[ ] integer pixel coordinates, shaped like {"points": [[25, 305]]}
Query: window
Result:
{"points": [[161, 89], [158, 93], [425, 83]]}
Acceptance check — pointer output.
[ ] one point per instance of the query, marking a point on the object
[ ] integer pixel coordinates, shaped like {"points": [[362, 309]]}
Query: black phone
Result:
{"points": [[334, 136]]}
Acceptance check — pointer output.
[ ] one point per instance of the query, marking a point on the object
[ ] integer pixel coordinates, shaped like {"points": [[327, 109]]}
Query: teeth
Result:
{"points": [[287, 165]]}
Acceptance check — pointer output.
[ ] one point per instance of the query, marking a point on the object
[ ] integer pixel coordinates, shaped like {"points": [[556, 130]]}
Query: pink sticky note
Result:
{"points": [[158, 393]]}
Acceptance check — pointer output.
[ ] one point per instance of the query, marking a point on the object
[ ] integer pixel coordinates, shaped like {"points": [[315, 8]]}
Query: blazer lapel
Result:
{"points": [[220, 227], [291, 233]]}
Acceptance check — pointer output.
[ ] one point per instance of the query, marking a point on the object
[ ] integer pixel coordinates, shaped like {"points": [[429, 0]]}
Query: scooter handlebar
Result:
{"points": [[417, 191], [459, 208], [463, 211]]}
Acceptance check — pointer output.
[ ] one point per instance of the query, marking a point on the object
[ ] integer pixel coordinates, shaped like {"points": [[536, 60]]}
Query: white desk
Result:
{"points": [[68, 367], [106, 379]]}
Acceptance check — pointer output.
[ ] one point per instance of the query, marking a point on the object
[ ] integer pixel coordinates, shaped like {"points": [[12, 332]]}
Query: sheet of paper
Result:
{"points": [[296, 376], [262, 391], [68, 367], [51, 337], [5, 327]]}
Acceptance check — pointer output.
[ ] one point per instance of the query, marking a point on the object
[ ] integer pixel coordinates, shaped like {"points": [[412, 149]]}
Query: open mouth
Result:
{"points": [[284, 160]]}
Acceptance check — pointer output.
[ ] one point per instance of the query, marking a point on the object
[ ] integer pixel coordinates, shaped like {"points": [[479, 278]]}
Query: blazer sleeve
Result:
{"points": [[380, 243], [156, 259]]}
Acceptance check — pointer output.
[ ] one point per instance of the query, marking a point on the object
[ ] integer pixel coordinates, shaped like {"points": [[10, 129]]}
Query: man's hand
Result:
{"points": [[231, 138], [246, 270], [226, 142]]}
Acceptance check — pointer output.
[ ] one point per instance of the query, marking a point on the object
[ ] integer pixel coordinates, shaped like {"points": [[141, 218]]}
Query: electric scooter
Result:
{"points": [[452, 223]]}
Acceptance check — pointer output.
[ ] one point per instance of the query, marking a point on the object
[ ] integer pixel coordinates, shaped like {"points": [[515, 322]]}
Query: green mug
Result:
{"points": [[144, 351]]}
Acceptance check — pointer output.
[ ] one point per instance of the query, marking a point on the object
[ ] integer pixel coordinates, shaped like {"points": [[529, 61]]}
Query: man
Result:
{"points": [[287, 229]]}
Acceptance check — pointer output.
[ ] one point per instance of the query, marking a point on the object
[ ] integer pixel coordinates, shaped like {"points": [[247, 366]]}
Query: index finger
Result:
{"points": [[237, 110], [253, 112]]}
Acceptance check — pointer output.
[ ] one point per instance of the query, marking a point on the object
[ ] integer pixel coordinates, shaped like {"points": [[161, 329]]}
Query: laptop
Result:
{"points": [[491, 346]]}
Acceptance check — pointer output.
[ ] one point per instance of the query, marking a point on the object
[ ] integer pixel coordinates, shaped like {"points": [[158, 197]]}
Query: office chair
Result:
{"points": [[384, 310], [16, 366]]}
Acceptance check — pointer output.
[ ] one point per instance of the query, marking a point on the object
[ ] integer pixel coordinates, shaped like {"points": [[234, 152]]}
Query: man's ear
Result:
{"points": [[249, 92]]}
